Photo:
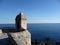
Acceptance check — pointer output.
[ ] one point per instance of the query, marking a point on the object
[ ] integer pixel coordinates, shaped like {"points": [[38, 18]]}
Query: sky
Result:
{"points": [[36, 11]]}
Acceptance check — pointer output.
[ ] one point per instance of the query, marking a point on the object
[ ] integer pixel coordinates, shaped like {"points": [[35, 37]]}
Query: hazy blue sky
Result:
{"points": [[37, 11]]}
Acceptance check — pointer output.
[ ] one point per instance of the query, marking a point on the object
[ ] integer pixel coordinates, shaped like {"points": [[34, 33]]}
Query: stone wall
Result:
{"points": [[20, 38]]}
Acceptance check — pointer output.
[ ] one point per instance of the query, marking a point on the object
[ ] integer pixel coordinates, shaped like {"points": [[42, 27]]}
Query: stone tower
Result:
{"points": [[22, 36], [21, 23]]}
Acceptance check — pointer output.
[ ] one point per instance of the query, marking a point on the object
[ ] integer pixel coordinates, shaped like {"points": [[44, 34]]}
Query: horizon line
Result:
{"points": [[27, 23]]}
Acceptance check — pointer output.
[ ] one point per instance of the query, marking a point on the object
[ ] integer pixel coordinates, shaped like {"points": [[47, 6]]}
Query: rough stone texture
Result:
{"points": [[21, 22], [20, 35], [21, 38], [3, 35], [1, 31]]}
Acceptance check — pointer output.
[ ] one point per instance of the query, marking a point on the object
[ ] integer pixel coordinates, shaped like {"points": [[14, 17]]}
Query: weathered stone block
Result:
{"points": [[21, 38]]}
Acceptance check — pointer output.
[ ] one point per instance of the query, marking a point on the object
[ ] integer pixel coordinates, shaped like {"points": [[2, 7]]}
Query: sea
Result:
{"points": [[41, 31]]}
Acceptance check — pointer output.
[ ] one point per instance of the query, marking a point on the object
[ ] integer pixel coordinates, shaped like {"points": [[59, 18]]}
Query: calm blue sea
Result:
{"points": [[39, 31]]}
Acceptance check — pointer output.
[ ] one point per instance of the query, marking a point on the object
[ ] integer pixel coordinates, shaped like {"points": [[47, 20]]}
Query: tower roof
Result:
{"points": [[20, 16]]}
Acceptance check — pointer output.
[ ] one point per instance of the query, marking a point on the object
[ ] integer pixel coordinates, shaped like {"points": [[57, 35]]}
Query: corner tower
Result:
{"points": [[21, 23], [22, 36]]}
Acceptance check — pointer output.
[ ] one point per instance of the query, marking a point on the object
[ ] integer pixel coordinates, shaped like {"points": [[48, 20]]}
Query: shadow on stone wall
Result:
{"points": [[9, 30]]}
